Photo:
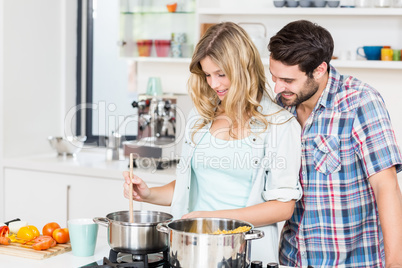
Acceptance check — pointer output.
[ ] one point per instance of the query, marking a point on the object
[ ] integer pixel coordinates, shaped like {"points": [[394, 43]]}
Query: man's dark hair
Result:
{"points": [[302, 43]]}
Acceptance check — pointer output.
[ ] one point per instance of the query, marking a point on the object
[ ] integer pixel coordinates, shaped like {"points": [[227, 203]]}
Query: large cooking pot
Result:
{"points": [[139, 237], [192, 243]]}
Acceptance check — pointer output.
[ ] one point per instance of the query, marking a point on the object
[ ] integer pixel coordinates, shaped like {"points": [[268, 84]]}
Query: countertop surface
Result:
{"points": [[65, 260], [92, 163]]}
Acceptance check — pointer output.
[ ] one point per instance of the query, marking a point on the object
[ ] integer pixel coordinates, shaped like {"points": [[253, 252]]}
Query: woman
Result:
{"points": [[241, 154]]}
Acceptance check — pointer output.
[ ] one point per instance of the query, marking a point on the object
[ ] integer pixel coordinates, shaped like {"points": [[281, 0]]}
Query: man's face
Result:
{"points": [[292, 85]]}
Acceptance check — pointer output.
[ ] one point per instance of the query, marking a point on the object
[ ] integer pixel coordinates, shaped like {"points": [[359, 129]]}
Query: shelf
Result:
{"points": [[161, 59], [156, 12], [303, 11], [361, 64]]}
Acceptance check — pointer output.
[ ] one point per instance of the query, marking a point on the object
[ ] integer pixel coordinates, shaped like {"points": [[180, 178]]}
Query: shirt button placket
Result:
{"points": [[302, 248]]}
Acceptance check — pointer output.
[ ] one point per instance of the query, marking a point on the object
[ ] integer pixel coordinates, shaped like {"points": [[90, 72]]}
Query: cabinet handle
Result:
{"points": [[68, 203]]}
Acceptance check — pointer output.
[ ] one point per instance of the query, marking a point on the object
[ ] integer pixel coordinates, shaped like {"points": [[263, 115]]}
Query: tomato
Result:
{"points": [[61, 235], [43, 242], [28, 232], [49, 228]]}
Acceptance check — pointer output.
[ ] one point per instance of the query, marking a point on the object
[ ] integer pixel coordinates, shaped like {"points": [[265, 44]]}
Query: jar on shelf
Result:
{"points": [[144, 47], [382, 3], [363, 3], [386, 53], [397, 3]]}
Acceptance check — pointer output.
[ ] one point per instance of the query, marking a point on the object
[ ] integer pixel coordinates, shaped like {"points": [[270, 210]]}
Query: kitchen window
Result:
{"points": [[103, 95]]}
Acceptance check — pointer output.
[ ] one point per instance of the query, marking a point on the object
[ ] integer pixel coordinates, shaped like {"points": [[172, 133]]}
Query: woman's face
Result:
{"points": [[216, 78]]}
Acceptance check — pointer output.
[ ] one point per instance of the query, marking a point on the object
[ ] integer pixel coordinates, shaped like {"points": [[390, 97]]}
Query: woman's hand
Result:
{"points": [[140, 189]]}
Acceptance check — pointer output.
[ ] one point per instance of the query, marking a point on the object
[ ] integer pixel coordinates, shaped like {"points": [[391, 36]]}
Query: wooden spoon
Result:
{"points": [[131, 190]]}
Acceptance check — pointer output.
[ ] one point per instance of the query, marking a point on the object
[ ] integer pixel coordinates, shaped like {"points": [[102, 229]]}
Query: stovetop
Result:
{"points": [[118, 260]]}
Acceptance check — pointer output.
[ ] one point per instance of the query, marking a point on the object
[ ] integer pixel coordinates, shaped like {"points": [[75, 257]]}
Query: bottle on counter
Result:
{"points": [[272, 265]]}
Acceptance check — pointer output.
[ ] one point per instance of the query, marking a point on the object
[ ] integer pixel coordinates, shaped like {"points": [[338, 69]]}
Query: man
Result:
{"points": [[351, 211]]}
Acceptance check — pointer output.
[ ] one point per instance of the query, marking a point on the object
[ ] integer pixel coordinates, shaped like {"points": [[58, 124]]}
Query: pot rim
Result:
{"points": [[205, 234], [139, 212]]}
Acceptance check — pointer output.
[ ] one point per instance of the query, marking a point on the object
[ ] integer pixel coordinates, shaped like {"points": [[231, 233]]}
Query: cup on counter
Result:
{"points": [[83, 236], [370, 52]]}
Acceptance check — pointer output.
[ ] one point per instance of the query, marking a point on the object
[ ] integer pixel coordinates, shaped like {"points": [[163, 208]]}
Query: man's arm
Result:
{"points": [[389, 201]]}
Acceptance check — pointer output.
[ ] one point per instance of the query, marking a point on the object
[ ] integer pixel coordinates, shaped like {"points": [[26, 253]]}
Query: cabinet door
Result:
{"points": [[96, 197], [35, 197]]}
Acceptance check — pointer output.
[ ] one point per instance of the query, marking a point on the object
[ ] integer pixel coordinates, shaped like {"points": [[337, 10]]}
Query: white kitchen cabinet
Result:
{"points": [[35, 197], [42, 197]]}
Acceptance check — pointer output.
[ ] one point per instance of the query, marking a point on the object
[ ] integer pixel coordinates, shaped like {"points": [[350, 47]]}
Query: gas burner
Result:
{"points": [[120, 260]]}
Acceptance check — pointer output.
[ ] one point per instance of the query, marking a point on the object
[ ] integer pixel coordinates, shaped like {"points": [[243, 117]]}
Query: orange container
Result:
{"points": [[172, 7], [386, 54], [144, 47]]}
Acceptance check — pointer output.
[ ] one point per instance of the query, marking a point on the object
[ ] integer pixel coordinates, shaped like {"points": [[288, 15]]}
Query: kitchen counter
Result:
{"points": [[90, 163], [65, 260]]}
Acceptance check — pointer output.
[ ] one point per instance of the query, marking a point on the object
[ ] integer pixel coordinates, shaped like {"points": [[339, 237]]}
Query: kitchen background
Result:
{"points": [[38, 50]]}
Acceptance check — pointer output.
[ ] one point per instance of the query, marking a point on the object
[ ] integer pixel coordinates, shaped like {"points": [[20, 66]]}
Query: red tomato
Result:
{"points": [[43, 242], [61, 235], [49, 228]]}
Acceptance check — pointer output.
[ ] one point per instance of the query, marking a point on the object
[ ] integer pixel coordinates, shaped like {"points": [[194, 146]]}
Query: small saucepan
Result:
{"points": [[139, 237]]}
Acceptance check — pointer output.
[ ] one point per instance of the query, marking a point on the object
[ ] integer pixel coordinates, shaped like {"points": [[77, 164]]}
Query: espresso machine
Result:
{"points": [[156, 142]]}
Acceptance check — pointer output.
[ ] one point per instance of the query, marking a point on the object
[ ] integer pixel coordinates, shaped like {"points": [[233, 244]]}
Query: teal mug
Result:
{"points": [[83, 236], [370, 52], [154, 87]]}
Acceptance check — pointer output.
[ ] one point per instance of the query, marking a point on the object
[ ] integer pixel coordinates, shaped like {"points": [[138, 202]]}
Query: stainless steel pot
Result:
{"points": [[193, 245], [139, 237]]}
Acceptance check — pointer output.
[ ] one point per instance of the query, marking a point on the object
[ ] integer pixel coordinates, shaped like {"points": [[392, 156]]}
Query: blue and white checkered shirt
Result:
{"points": [[347, 138]]}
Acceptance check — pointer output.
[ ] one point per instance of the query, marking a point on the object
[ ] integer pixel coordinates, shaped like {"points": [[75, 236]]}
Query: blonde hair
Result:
{"points": [[229, 47]]}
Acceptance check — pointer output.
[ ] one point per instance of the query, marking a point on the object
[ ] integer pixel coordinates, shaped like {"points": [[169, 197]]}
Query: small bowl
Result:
{"points": [[69, 145], [292, 3], [332, 3], [305, 3], [319, 3], [279, 3]]}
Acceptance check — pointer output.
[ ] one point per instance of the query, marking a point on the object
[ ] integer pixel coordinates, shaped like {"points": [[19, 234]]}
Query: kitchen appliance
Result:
{"points": [[192, 243], [136, 244], [158, 123], [225, 251]]}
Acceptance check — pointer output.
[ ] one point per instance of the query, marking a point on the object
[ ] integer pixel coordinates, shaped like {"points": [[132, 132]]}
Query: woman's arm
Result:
{"points": [[258, 215]]}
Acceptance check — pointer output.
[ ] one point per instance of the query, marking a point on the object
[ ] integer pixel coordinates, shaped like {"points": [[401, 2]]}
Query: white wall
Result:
{"points": [[1, 109], [39, 76]]}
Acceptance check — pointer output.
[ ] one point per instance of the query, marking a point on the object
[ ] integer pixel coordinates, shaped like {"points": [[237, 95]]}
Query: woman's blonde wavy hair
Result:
{"points": [[230, 47]]}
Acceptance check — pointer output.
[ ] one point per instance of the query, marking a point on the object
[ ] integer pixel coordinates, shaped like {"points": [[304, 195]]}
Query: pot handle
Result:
{"points": [[162, 227], [101, 221], [254, 234]]}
